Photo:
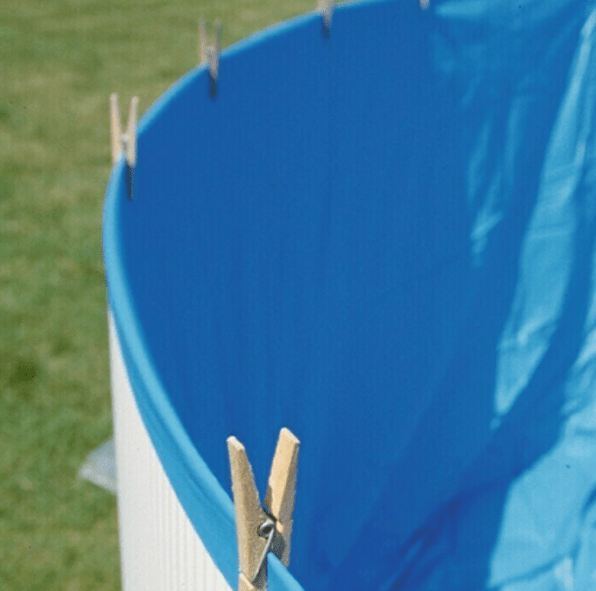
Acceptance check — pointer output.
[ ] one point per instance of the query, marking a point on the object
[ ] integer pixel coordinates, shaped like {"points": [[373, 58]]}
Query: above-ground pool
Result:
{"points": [[381, 238]]}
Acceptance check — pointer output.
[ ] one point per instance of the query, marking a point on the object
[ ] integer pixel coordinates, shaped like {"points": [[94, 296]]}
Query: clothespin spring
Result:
{"points": [[266, 530]]}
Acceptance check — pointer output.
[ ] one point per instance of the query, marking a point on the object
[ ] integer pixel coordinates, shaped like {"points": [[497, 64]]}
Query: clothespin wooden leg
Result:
{"points": [[281, 491], [325, 7], [127, 142], [116, 129], [249, 517], [259, 530], [131, 145], [210, 52]]}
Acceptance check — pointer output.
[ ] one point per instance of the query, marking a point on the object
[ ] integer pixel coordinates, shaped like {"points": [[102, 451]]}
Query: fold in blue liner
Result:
{"points": [[383, 240]]}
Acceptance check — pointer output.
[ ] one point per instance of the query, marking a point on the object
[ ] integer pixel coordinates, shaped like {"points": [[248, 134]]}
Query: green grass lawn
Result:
{"points": [[59, 62]]}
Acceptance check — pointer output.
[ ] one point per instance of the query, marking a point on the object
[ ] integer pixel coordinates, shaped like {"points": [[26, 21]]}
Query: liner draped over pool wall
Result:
{"points": [[382, 239]]}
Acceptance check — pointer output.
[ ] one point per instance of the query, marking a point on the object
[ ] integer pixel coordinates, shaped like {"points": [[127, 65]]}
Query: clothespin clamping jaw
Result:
{"points": [[125, 142], [325, 7], [209, 53], [259, 529]]}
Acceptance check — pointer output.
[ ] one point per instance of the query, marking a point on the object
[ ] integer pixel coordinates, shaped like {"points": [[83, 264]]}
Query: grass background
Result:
{"points": [[59, 62]]}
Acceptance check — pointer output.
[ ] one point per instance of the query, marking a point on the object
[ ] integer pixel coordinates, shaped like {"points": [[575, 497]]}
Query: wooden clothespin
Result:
{"points": [[424, 4], [125, 142], [259, 529], [325, 7], [209, 53]]}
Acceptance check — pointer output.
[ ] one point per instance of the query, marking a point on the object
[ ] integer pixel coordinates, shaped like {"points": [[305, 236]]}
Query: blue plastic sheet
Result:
{"points": [[382, 239]]}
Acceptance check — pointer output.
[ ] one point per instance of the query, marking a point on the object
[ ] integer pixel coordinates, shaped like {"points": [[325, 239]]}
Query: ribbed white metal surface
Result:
{"points": [[159, 548]]}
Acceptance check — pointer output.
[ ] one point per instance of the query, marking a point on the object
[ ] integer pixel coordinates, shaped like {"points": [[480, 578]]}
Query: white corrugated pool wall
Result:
{"points": [[159, 548]]}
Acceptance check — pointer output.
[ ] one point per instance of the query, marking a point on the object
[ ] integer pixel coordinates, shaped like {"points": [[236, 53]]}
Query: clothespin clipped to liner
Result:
{"points": [[125, 142], [325, 7], [209, 53], [259, 529]]}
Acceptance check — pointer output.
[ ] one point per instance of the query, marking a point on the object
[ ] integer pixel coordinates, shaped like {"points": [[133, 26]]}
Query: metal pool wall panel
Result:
{"points": [[159, 547]]}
